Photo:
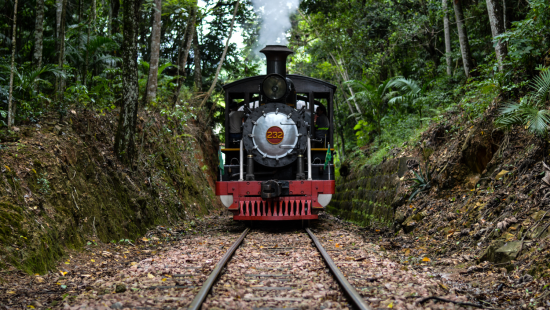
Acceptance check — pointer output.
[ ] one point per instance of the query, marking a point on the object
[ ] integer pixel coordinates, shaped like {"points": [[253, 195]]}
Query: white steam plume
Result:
{"points": [[275, 20]]}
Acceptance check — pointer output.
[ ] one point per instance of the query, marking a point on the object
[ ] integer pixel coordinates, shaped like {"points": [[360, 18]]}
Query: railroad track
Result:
{"points": [[289, 270]]}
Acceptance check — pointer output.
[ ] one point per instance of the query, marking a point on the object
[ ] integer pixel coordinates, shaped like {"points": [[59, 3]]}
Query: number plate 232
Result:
{"points": [[274, 135]]}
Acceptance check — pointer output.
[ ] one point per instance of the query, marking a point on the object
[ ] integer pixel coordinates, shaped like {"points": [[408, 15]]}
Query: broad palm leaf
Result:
{"points": [[526, 113], [26, 78], [541, 85], [409, 89]]}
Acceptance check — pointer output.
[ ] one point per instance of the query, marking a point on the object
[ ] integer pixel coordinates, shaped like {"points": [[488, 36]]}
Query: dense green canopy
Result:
{"points": [[394, 67]]}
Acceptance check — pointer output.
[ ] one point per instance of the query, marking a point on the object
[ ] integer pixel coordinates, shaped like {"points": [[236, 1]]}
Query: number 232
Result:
{"points": [[274, 135]]}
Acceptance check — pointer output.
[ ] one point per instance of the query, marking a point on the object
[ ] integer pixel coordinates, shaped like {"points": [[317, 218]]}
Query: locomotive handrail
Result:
{"points": [[230, 150], [241, 168], [308, 158], [322, 149]]}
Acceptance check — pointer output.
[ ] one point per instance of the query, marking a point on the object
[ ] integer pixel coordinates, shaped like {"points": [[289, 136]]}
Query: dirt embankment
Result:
{"points": [[61, 186], [485, 218]]}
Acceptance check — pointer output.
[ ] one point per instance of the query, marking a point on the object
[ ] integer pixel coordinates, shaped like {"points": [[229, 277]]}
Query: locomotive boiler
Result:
{"points": [[278, 156]]}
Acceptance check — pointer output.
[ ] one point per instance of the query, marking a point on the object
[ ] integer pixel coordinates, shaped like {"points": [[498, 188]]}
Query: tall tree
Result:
{"points": [[90, 22], [463, 38], [211, 89], [340, 65], [58, 13], [344, 73], [184, 51], [496, 18], [504, 13], [447, 31], [152, 83], [39, 33], [61, 10], [13, 46], [124, 141], [197, 61]]}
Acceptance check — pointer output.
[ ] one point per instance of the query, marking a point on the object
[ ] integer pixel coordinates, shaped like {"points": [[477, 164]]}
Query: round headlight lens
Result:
{"points": [[274, 87]]}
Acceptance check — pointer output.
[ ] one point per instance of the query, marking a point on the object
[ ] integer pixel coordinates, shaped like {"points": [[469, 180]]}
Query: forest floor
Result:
{"points": [[145, 275]]}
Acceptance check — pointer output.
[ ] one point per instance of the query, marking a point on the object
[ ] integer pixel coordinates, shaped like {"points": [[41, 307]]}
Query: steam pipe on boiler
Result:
{"points": [[328, 166], [241, 162]]}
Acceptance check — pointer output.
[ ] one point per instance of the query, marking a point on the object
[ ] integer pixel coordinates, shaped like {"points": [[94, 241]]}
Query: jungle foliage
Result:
{"points": [[390, 63], [85, 72], [388, 58]]}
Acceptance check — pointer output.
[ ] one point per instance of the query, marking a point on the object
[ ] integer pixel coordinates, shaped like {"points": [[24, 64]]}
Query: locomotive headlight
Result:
{"points": [[274, 86]]}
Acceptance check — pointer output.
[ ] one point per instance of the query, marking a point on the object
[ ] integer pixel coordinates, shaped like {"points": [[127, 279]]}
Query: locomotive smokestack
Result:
{"points": [[276, 58]]}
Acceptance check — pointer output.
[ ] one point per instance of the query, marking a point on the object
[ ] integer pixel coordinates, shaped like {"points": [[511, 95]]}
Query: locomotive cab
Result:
{"points": [[281, 167]]}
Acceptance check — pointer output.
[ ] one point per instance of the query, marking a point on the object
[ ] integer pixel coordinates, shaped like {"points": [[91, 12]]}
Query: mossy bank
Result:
{"points": [[61, 185]]}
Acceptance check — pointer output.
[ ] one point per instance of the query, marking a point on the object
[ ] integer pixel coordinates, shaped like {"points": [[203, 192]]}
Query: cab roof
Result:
{"points": [[303, 84]]}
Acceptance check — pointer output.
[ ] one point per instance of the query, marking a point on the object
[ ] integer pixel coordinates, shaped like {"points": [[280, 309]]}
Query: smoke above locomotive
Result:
{"points": [[275, 19]]}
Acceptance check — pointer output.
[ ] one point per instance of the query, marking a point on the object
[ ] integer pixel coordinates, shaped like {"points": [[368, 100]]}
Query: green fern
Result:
{"points": [[530, 111]]}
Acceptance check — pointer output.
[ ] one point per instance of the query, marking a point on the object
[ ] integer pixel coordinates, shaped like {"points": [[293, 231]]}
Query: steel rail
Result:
{"points": [[201, 296], [348, 288]]}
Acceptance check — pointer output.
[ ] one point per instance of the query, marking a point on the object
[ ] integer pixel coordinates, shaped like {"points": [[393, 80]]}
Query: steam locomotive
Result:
{"points": [[279, 166]]}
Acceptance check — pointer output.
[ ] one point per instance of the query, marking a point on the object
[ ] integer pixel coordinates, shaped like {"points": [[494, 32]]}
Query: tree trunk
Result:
{"points": [[463, 38], [223, 57], [184, 51], [345, 96], [87, 61], [62, 9], [58, 11], [13, 46], [504, 13], [38, 36], [110, 19], [93, 10], [80, 9], [124, 142], [114, 16], [447, 30], [496, 18], [39, 33], [345, 77], [152, 83], [197, 61], [91, 22]]}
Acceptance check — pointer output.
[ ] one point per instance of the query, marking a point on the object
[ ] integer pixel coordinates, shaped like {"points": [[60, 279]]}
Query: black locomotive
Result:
{"points": [[279, 129]]}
